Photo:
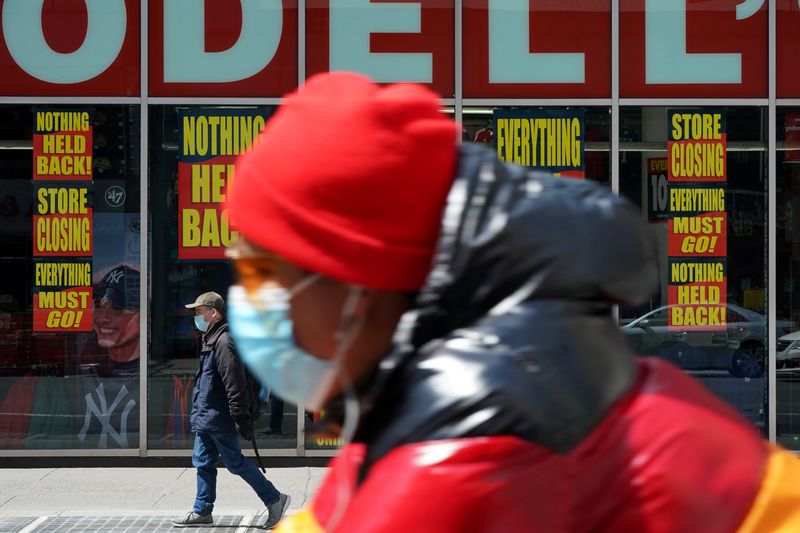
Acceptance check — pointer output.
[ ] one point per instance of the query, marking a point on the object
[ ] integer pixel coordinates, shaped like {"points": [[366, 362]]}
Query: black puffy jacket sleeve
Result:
{"points": [[231, 370]]}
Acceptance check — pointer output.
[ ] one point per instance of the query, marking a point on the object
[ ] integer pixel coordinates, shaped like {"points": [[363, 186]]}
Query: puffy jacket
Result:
{"points": [[511, 401], [220, 387]]}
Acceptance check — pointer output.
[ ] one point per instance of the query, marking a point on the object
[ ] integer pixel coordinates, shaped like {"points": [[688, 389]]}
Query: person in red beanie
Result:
{"points": [[454, 314]]}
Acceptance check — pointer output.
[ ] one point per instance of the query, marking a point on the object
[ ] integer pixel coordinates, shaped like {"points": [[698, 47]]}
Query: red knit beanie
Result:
{"points": [[349, 179]]}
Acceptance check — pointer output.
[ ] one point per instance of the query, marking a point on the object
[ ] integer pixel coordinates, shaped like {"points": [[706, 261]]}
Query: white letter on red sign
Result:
{"points": [[666, 58], [105, 33], [352, 22], [185, 58], [510, 58]]}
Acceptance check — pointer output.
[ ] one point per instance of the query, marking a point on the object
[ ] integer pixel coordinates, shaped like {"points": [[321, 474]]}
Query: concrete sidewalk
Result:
{"points": [[135, 499]]}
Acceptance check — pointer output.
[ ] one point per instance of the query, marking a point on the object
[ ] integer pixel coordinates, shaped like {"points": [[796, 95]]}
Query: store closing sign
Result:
{"points": [[697, 227], [512, 48], [62, 220]]}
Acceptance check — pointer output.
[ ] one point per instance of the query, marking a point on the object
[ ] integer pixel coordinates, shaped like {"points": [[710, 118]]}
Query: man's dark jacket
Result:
{"points": [[220, 387]]}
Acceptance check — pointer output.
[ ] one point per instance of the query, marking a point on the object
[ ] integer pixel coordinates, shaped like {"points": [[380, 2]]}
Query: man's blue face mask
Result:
{"points": [[263, 332], [200, 323]]}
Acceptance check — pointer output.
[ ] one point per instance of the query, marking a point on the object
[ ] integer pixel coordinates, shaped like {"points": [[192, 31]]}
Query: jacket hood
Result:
{"points": [[510, 235]]}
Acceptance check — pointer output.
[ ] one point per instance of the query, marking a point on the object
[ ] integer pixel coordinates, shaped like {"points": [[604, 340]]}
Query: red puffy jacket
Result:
{"points": [[511, 402]]}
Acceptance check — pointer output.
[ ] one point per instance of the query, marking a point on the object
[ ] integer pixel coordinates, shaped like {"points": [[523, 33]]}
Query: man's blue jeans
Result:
{"points": [[208, 447]]}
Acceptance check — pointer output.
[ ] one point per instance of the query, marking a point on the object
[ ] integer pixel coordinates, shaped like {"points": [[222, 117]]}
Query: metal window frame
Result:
{"points": [[144, 230], [614, 103], [772, 231]]}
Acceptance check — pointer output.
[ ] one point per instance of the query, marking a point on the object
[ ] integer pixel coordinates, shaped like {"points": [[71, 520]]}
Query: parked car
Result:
{"points": [[738, 349], [787, 350]]}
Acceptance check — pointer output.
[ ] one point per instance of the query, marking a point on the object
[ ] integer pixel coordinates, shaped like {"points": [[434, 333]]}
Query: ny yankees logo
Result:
{"points": [[104, 413], [115, 275]]}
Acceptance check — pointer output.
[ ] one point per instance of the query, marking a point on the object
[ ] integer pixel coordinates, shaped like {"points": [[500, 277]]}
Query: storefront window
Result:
{"points": [[191, 157], [699, 177], [568, 141], [69, 293], [788, 277]]}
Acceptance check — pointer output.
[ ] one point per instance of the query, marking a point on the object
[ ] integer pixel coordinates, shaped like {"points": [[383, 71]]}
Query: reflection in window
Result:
{"points": [[728, 356], [788, 277], [187, 259], [69, 289]]}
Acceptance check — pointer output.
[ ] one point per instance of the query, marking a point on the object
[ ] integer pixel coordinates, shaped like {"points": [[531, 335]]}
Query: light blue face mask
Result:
{"points": [[263, 334], [264, 337], [200, 323]]}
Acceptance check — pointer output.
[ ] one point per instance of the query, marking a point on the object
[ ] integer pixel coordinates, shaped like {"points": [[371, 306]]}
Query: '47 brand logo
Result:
{"points": [[104, 414], [115, 196]]}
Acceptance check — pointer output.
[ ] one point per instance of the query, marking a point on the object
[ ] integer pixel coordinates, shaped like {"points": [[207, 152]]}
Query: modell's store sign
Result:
{"points": [[511, 48]]}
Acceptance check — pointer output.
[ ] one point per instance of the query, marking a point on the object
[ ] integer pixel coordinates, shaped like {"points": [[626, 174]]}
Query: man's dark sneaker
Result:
{"points": [[276, 510], [193, 519]]}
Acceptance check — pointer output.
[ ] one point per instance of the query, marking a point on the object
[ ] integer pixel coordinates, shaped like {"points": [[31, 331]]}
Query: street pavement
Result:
{"points": [[135, 499]]}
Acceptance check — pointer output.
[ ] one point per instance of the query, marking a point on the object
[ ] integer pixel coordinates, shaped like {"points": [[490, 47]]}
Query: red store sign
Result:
{"points": [[511, 48], [788, 48]]}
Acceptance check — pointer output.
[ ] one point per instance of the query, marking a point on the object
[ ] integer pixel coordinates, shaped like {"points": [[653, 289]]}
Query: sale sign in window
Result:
{"points": [[63, 193], [210, 140], [544, 139], [697, 225]]}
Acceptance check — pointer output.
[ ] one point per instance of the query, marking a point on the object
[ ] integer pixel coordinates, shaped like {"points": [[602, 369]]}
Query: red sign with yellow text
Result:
{"points": [[63, 224], [62, 145], [210, 140], [696, 292], [63, 310], [705, 235], [697, 228], [697, 147], [63, 235]]}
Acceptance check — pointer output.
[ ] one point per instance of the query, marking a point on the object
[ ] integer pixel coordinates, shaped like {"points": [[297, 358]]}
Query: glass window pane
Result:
{"points": [[788, 278], [709, 315], [69, 277], [192, 151]]}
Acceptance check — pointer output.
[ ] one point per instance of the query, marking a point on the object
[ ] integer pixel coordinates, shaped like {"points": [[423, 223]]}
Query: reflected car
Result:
{"points": [[787, 351], [739, 349]]}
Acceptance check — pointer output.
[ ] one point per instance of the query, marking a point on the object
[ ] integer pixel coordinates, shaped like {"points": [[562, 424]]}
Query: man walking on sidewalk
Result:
{"points": [[221, 412]]}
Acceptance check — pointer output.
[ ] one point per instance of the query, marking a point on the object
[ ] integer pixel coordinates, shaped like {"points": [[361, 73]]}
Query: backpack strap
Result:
{"points": [[258, 456]]}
